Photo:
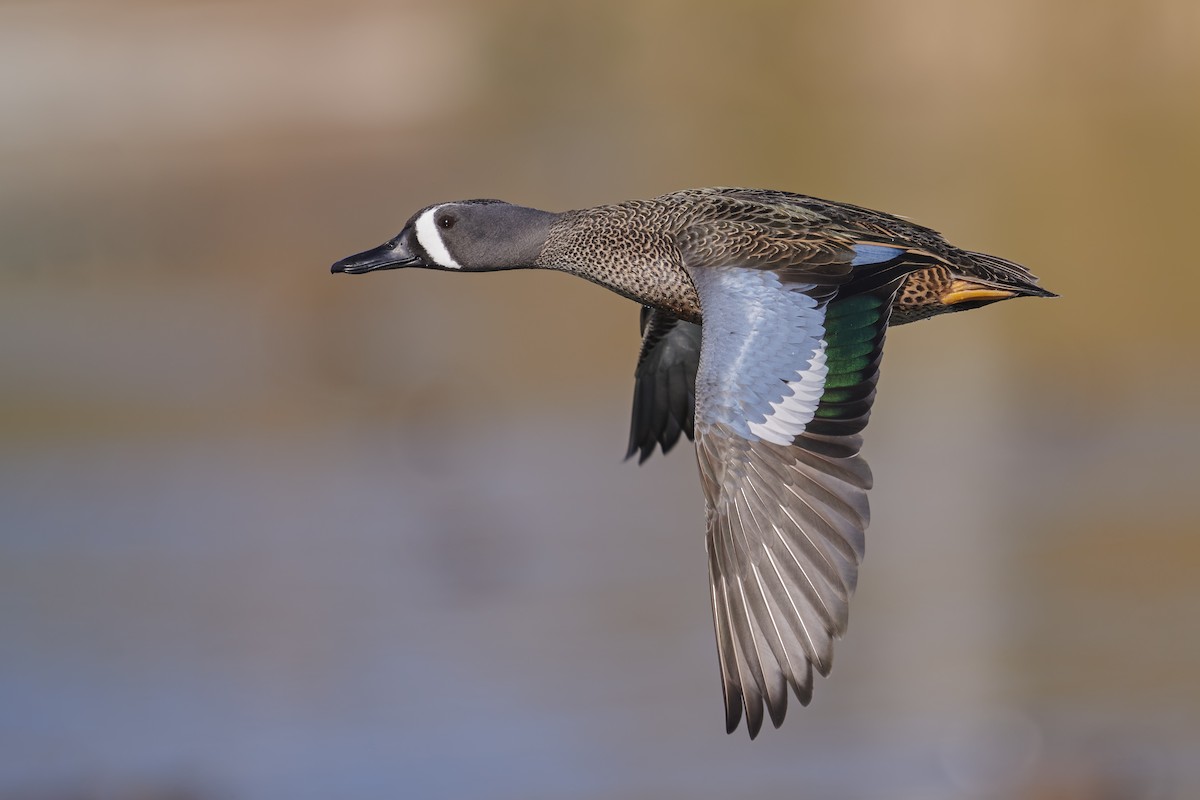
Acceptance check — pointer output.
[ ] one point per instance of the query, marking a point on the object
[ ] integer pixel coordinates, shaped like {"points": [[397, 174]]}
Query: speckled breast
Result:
{"points": [[629, 249]]}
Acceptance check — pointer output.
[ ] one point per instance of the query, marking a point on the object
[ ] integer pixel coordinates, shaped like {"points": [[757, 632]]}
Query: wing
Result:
{"points": [[665, 377], [664, 386], [786, 379]]}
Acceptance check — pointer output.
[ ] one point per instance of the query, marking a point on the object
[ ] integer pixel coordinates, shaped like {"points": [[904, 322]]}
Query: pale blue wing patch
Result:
{"points": [[875, 253], [762, 355]]}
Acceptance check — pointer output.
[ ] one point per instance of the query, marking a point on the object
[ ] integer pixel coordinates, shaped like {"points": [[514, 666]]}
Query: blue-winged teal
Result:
{"points": [[763, 330]]}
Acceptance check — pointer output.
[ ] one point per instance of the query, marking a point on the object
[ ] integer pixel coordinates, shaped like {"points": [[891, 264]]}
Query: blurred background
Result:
{"points": [[271, 533]]}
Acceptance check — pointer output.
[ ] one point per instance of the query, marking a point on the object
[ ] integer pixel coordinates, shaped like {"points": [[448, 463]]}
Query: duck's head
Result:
{"points": [[466, 236]]}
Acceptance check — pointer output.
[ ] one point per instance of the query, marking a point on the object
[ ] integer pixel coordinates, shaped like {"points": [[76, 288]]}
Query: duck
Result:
{"points": [[764, 314]]}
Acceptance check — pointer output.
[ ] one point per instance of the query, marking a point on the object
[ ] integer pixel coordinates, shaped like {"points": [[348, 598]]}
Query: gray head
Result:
{"points": [[468, 235]]}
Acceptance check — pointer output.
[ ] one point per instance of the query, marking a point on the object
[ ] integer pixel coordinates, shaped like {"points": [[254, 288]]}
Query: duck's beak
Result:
{"points": [[394, 254]]}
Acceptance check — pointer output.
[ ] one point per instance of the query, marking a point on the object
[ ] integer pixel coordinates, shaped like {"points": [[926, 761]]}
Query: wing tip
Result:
{"points": [[754, 721], [778, 710], [733, 709]]}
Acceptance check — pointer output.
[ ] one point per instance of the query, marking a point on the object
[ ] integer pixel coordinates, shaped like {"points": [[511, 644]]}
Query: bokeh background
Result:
{"points": [[271, 533]]}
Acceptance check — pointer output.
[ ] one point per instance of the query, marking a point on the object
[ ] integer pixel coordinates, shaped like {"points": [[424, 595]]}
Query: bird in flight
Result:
{"points": [[763, 321]]}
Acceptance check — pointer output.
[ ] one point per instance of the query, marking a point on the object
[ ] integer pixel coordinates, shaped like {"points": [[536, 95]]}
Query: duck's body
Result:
{"points": [[950, 280], [767, 310]]}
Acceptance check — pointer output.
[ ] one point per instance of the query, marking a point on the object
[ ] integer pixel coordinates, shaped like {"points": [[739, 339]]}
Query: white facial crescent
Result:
{"points": [[430, 239]]}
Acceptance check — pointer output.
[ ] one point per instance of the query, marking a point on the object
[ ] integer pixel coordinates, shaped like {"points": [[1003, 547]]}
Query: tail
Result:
{"points": [[979, 278]]}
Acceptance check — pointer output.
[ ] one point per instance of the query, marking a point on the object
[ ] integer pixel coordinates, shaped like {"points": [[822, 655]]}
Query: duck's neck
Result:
{"points": [[615, 247]]}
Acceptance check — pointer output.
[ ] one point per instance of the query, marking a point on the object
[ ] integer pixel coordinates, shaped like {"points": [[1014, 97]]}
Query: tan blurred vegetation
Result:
{"points": [[161, 149]]}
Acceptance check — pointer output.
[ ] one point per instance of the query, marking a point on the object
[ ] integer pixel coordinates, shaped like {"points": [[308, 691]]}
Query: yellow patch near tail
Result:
{"points": [[961, 291]]}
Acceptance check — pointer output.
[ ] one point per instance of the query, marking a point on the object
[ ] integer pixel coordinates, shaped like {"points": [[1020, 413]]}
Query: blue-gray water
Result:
{"points": [[364, 609]]}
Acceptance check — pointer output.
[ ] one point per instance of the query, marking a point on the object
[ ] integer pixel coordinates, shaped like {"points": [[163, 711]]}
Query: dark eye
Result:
{"points": [[446, 221]]}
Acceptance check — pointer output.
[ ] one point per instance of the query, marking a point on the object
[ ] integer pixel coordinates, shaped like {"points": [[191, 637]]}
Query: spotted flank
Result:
{"points": [[763, 325]]}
